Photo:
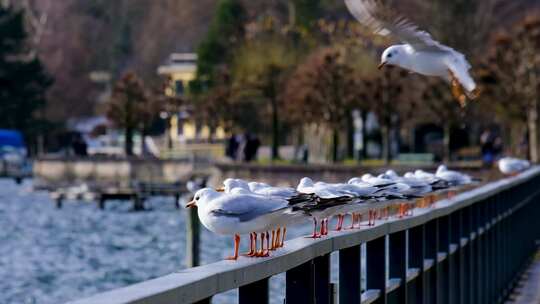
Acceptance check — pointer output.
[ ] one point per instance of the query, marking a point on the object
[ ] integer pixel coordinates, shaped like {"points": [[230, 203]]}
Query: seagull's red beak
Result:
{"points": [[381, 65], [191, 204]]}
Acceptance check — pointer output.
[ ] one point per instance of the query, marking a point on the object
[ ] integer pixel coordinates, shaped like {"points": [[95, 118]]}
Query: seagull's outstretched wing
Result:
{"points": [[384, 20]]}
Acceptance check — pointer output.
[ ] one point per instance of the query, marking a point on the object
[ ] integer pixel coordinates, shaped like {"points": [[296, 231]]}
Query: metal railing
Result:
{"points": [[468, 249]]}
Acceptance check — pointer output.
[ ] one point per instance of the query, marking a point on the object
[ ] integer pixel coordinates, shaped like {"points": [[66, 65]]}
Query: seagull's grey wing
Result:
{"points": [[247, 207], [384, 20]]}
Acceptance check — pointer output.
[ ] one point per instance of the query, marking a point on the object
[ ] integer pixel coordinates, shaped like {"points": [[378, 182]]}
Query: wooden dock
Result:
{"points": [[137, 194]]}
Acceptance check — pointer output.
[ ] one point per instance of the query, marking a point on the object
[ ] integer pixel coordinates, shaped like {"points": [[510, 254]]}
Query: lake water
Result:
{"points": [[50, 256]]}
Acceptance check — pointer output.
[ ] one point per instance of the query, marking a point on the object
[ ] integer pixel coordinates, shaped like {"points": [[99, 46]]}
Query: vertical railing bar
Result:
{"points": [[350, 282], [299, 284], [204, 301], [321, 273], [376, 267], [432, 249], [398, 264], [417, 253], [256, 292], [443, 268]]}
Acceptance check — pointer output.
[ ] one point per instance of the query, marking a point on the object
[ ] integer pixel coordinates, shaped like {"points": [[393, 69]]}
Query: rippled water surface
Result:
{"points": [[53, 256]]}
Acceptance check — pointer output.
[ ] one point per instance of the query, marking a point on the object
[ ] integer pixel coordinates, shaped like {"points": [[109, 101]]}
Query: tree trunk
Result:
{"points": [[275, 130], [350, 137], [446, 143], [129, 141], [387, 145], [533, 131], [364, 135], [335, 146]]}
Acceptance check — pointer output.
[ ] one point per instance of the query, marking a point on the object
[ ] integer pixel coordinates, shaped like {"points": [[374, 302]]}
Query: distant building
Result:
{"points": [[181, 69]]}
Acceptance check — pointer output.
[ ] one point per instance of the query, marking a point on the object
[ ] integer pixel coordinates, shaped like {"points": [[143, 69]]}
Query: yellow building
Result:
{"points": [[181, 69]]}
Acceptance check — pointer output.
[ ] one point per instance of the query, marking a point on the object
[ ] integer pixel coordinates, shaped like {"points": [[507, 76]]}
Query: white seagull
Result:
{"points": [[454, 178], [512, 166], [329, 199], [237, 214], [419, 52]]}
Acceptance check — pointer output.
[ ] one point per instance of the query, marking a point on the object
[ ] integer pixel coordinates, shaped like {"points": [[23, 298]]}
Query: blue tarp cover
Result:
{"points": [[11, 138]]}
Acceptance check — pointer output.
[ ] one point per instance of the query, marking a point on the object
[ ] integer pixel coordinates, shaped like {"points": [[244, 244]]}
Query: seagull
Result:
{"points": [[290, 194], [417, 186], [419, 52], [512, 166], [453, 177], [329, 200], [231, 183], [237, 214]]}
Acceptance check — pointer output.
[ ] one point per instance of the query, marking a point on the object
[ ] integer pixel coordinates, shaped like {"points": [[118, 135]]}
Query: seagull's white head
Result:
{"points": [[255, 186], [394, 55], [409, 175], [367, 177], [232, 183], [355, 181], [305, 182], [442, 169], [202, 197], [392, 174]]}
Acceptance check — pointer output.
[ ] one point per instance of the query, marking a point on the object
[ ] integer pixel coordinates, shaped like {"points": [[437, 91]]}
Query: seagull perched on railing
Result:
{"points": [[420, 53], [241, 212], [512, 166]]}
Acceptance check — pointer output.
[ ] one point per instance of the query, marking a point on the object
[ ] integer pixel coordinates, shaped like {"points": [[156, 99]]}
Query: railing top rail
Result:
{"points": [[195, 284]]}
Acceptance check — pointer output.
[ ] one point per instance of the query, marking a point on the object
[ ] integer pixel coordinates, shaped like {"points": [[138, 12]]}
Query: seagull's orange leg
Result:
{"points": [[263, 252], [252, 245], [457, 90], [339, 225], [353, 218], [315, 235], [278, 237], [267, 243], [283, 237], [273, 242], [236, 247]]}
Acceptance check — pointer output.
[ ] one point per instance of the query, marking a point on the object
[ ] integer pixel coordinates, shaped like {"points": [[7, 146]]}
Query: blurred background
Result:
{"points": [[260, 80], [137, 98]]}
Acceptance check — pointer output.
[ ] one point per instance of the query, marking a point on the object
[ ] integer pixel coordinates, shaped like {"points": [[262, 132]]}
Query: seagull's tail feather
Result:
{"points": [[301, 199], [383, 186]]}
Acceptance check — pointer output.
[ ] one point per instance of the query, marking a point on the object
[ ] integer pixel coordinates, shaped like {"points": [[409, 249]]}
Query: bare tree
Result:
{"points": [[512, 78], [130, 108], [323, 90]]}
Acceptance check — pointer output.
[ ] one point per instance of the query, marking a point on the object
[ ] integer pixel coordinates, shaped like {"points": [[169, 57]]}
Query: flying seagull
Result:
{"points": [[419, 52]]}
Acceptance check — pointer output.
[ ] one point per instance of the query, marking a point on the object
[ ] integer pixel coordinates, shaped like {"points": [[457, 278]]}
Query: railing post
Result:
{"points": [[456, 294], [398, 266], [467, 283], [193, 229], [299, 284], [321, 274], [376, 268], [443, 268], [254, 293], [417, 252], [432, 250], [350, 275]]}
